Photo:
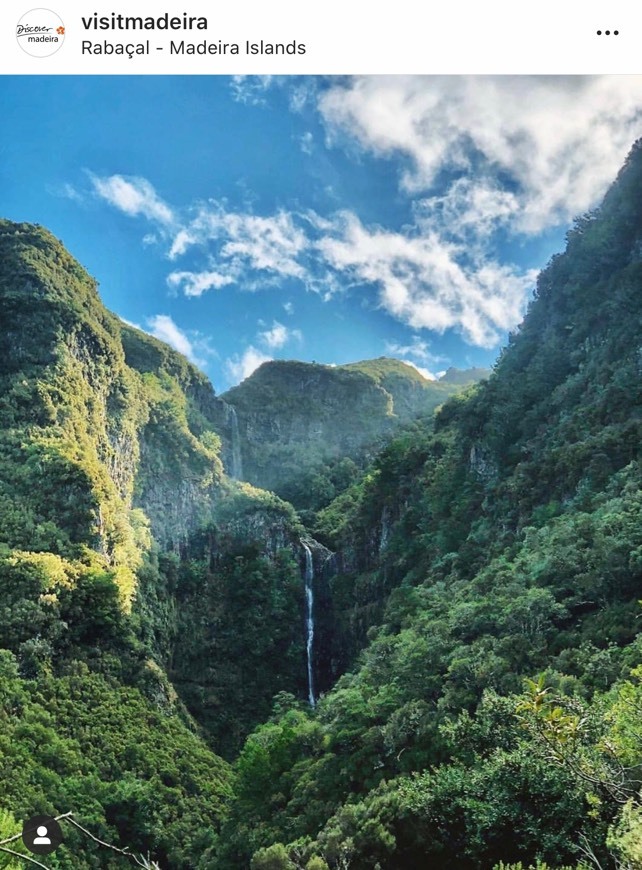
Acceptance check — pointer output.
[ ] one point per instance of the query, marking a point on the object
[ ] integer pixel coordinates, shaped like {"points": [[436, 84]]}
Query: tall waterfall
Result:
{"points": [[309, 619], [237, 463]]}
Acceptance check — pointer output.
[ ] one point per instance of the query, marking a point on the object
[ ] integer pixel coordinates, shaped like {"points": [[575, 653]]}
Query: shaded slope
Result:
{"points": [[303, 426], [81, 695], [503, 544]]}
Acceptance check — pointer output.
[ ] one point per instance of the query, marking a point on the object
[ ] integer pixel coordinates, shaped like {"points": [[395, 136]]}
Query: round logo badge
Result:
{"points": [[40, 32]]}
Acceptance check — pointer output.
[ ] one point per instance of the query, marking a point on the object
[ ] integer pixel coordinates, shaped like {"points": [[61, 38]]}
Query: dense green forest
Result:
{"points": [[307, 430], [476, 573]]}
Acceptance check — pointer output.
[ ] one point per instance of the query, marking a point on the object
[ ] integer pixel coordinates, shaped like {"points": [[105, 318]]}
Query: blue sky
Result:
{"points": [[311, 218]]}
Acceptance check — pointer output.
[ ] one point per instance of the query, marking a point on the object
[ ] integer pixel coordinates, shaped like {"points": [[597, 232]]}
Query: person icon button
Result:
{"points": [[42, 839], [41, 834]]}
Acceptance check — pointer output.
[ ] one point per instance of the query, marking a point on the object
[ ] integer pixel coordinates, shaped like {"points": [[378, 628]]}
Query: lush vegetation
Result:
{"points": [[502, 546], [111, 495], [307, 430], [479, 621]]}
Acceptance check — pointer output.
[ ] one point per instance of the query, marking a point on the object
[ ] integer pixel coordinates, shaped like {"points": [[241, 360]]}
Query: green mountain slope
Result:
{"points": [[303, 426], [79, 689], [118, 531], [502, 545]]}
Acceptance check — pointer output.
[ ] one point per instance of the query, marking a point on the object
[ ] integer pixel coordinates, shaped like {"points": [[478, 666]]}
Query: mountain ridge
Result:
{"points": [[305, 429]]}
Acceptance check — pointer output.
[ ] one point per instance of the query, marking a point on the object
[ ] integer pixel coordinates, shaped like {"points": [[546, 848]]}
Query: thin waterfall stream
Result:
{"points": [[309, 619], [237, 462]]}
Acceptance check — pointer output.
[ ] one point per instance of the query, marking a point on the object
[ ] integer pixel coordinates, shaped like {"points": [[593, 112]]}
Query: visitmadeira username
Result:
{"points": [[131, 49], [165, 22]]}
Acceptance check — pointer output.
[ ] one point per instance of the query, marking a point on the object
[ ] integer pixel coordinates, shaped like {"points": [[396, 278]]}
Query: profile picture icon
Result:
{"points": [[40, 32], [41, 834], [42, 839]]}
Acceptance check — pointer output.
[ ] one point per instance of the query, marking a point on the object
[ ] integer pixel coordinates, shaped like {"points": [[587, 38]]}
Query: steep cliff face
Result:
{"points": [[103, 417], [180, 468], [112, 455], [241, 616], [302, 426], [86, 440], [71, 409], [112, 458]]}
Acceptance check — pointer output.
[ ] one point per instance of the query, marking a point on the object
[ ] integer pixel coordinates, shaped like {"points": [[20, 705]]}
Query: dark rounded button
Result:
{"points": [[41, 835]]}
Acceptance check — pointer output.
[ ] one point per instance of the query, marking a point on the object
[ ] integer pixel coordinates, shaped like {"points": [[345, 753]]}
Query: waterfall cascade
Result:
{"points": [[385, 528], [309, 619], [236, 470]]}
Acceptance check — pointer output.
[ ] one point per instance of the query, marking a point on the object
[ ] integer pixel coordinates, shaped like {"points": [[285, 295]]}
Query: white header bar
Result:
{"points": [[332, 37]]}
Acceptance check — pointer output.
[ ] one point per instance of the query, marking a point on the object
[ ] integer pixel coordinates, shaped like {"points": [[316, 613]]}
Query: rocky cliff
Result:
{"points": [[111, 460], [302, 426]]}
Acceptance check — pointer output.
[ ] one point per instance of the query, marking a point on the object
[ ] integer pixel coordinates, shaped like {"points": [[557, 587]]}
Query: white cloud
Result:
{"points": [[417, 349], [66, 191], [428, 375], [265, 243], [425, 281], [250, 90], [196, 283], [278, 336], [131, 323], [288, 307], [270, 244], [558, 141], [134, 196], [475, 155], [307, 142], [162, 326], [420, 277], [181, 242], [239, 367], [470, 208], [302, 93]]}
